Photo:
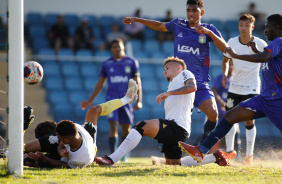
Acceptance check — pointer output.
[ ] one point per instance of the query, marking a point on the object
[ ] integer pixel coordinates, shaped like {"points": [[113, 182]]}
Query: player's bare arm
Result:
{"points": [[62, 151], [98, 88], [219, 42], [39, 156], [224, 68], [253, 46], [153, 24], [260, 57], [190, 87]]}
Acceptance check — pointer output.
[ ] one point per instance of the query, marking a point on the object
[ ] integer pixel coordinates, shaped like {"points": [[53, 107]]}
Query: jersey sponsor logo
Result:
{"points": [[230, 103], [127, 69], [202, 39], [118, 79], [53, 139], [180, 35], [188, 49], [265, 66]]}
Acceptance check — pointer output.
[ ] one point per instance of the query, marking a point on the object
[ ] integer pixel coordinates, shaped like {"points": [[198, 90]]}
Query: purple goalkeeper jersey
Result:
{"points": [[118, 73], [192, 47], [272, 72]]}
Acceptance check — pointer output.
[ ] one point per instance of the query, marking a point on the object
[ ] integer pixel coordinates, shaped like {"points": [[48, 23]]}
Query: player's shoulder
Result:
{"points": [[128, 59], [233, 40], [259, 40], [180, 21], [188, 74]]}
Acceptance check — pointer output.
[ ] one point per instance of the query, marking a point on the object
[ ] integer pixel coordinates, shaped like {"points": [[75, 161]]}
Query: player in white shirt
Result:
{"points": [[176, 126], [77, 146], [244, 84]]}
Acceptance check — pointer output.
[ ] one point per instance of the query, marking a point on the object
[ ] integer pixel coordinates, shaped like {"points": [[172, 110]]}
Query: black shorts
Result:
{"points": [[234, 99], [49, 143], [169, 134]]}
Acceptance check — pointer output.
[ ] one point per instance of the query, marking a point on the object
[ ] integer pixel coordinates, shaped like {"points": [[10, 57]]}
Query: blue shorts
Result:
{"points": [[124, 115], [265, 108], [203, 93]]}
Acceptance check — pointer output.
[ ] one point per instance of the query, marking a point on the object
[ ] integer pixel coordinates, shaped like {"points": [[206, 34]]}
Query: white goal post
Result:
{"points": [[15, 86]]}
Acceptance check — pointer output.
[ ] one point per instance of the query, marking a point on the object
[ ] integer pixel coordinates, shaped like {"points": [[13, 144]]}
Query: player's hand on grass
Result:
{"points": [[85, 104], [64, 153], [128, 20], [37, 156], [161, 97]]}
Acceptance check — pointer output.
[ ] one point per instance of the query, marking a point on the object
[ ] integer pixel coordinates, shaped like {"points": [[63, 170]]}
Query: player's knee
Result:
{"points": [[212, 115], [96, 109], [139, 127]]}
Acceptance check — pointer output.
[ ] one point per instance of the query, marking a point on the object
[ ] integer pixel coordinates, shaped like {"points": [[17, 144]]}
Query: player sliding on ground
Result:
{"points": [[176, 126], [267, 104], [75, 144]]}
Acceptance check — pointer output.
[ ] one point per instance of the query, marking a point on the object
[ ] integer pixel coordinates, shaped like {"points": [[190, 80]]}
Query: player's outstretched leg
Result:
{"points": [[193, 151]]}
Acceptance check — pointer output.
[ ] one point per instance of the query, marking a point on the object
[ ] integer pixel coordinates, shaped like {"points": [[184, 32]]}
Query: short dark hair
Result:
{"points": [[249, 17], [66, 128], [276, 19], [44, 128], [117, 40], [200, 3]]}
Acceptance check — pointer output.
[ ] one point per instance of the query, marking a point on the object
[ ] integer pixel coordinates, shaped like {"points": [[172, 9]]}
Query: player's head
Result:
{"points": [[194, 11], [44, 128], [172, 67], [273, 26], [117, 48], [246, 24], [66, 131]]}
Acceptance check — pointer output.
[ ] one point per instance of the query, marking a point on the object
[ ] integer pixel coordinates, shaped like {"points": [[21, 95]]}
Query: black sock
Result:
{"points": [[113, 143], [209, 126]]}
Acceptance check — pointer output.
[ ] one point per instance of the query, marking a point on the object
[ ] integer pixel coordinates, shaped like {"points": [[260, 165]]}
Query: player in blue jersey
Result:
{"points": [[117, 71], [192, 44], [267, 104]]}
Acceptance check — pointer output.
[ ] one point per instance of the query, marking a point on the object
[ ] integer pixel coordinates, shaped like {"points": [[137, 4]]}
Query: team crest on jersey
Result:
{"points": [[110, 115], [229, 103], [202, 39], [127, 69], [53, 139]]}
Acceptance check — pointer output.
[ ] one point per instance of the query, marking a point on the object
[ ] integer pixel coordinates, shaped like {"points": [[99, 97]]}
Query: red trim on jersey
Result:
{"points": [[207, 61], [269, 50], [277, 78]]}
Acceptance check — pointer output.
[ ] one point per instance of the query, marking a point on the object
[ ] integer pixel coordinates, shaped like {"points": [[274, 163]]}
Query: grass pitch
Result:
{"points": [[141, 170]]}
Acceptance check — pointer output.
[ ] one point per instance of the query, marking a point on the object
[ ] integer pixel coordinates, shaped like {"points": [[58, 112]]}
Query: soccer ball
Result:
{"points": [[33, 72]]}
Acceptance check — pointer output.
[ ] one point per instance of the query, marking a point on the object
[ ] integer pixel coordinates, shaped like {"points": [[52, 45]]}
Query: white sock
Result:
{"points": [[230, 138], [189, 161], [130, 142], [125, 100], [250, 140]]}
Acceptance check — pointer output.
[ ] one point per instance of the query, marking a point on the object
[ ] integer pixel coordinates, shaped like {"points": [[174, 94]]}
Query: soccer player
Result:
{"points": [[245, 83], [267, 104], [117, 70], [77, 146], [176, 126], [192, 44]]}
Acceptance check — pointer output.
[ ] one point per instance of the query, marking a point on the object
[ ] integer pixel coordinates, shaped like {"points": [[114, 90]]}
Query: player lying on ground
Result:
{"points": [[175, 127], [267, 104], [77, 148]]}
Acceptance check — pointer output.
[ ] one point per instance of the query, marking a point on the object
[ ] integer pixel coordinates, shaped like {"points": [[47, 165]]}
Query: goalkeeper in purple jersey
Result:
{"points": [[267, 104], [192, 44]]}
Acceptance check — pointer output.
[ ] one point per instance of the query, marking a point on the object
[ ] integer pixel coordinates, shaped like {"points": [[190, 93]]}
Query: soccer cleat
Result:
{"points": [[230, 155], [105, 160], [248, 160], [28, 116], [193, 151], [132, 90], [221, 160]]}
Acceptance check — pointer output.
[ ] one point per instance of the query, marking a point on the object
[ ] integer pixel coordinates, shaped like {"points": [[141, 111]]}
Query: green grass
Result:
{"points": [[140, 170]]}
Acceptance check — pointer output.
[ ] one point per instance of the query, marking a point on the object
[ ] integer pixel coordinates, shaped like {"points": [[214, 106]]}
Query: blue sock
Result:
{"points": [[220, 131], [209, 126], [113, 143]]}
